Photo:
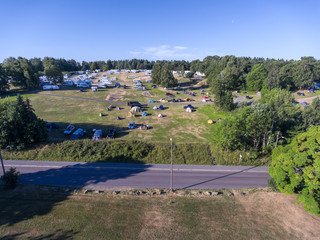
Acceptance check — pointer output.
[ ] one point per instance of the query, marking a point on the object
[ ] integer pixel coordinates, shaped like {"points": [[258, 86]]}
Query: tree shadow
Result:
{"points": [[58, 234], [43, 189], [57, 135], [217, 178]]}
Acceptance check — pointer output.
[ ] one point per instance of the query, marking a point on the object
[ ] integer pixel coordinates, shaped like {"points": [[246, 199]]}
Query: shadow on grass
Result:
{"points": [[57, 135], [27, 201], [58, 234], [217, 178]]}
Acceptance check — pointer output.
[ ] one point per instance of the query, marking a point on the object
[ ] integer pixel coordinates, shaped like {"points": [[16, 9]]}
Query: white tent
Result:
{"points": [[189, 110]]}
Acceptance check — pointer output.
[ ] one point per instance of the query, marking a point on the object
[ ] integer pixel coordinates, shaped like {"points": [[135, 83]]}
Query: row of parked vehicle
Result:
{"points": [[79, 133]]}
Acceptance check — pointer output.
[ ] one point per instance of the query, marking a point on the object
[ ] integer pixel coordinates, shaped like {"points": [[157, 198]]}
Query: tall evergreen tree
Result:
{"points": [[167, 78], [19, 125], [220, 86], [3, 81], [156, 74]]}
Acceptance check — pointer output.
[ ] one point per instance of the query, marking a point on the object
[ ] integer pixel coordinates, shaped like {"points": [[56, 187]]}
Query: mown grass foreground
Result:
{"points": [[31, 212]]}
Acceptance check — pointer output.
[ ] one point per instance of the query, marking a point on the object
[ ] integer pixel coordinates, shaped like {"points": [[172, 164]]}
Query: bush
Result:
{"points": [[10, 178], [272, 184]]}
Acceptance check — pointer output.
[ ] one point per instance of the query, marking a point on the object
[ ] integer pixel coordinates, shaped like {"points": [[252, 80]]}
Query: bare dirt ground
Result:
{"points": [[116, 96]]}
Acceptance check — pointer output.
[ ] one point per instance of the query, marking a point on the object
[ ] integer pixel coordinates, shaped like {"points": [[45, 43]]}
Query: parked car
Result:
{"points": [[132, 125], [52, 125], [300, 94], [78, 134], [134, 104], [69, 129], [112, 133], [97, 135]]}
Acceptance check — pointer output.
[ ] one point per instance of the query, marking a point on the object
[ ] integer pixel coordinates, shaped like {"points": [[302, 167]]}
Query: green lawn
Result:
{"points": [[182, 126], [45, 214]]}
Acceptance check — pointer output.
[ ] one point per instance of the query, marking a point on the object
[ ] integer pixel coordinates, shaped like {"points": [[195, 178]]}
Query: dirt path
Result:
{"points": [[307, 99], [122, 103]]}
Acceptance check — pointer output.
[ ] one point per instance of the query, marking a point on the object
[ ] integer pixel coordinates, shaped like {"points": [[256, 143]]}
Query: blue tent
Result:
{"points": [[117, 84], [144, 114], [304, 103], [151, 101], [160, 107]]}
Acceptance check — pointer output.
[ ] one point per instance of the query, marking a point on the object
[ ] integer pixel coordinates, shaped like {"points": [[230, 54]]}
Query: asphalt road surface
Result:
{"points": [[125, 176]]}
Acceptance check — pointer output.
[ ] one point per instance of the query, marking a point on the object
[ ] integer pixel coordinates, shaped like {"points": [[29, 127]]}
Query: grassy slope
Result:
{"points": [[78, 216]]}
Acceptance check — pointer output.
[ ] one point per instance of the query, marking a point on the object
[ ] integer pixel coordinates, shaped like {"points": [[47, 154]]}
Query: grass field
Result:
{"points": [[40, 213], [176, 123]]}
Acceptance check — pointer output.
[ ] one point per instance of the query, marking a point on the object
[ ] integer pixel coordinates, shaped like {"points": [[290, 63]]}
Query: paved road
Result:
{"points": [[124, 176]]}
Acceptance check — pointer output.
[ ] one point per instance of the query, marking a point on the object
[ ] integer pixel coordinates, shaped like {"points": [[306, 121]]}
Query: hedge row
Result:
{"points": [[134, 152]]}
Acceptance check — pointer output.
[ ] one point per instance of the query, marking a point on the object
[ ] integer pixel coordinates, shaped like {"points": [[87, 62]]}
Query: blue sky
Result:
{"points": [[159, 29]]}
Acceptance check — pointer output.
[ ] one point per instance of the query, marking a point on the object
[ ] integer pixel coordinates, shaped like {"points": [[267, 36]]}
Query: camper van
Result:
{"points": [[97, 135], [68, 83], [50, 87], [83, 85], [102, 85]]}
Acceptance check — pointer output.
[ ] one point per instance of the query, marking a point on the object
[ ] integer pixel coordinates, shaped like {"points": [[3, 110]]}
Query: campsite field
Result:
{"points": [[176, 123], [41, 213]]}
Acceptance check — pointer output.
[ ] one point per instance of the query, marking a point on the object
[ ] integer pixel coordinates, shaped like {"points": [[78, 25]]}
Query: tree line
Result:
{"points": [[230, 71]]}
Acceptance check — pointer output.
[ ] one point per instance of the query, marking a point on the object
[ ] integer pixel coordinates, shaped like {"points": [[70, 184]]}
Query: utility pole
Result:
{"points": [[171, 182], [4, 171], [2, 164]]}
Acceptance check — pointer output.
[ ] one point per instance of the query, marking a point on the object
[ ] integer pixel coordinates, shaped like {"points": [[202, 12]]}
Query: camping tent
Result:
{"points": [[160, 115], [135, 109], [304, 103], [117, 84], [205, 97], [151, 101], [155, 108], [161, 107], [144, 114], [189, 110], [210, 121]]}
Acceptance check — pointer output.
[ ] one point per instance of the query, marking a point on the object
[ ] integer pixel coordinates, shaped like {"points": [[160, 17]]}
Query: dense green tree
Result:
{"points": [[85, 66], [3, 81], [19, 125], [22, 72], [167, 78], [311, 115], [108, 65], [295, 168], [156, 73], [304, 73], [221, 89], [54, 73], [94, 66], [259, 126], [37, 64], [256, 78]]}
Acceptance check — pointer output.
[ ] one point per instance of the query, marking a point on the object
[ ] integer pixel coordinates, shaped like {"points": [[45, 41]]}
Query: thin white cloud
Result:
{"points": [[166, 52], [180, 47]]}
